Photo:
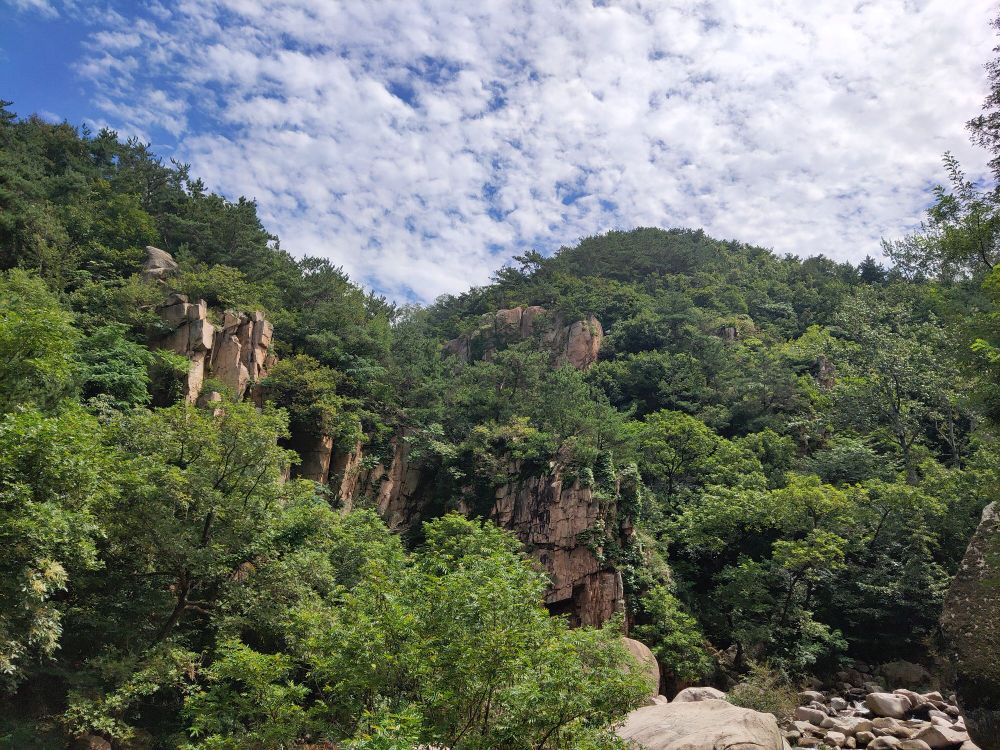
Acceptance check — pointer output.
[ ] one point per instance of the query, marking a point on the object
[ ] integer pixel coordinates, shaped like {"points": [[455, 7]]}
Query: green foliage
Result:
{"points": [[37, 338], [53, 475], [225, 287], [766, 690], [787, 457], [308, 391], [114, 369], [447, 645], [250, 700], [674, 636]]}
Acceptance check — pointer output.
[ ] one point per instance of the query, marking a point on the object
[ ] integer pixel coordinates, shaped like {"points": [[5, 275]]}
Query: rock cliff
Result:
{"points": [[236, 351], [576, 344], [971, 624], [562, 524]]}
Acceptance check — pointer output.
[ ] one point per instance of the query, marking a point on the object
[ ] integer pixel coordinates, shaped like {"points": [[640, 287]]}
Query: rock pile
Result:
{"points": [[872, 718]]}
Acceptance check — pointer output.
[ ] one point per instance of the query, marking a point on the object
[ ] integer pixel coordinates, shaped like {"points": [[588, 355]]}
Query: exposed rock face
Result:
{"points": [[701, 725], [159, 264], [971, 623], [576, 344], [315, 454], [583, 342], [236, 352], [396, 488], [556, 521], [552, 520], [888, 704]]}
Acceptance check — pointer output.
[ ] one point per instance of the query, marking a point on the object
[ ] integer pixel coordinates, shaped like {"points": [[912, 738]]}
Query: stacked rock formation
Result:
{"points": [[236, 352], [971, 624], [576, 344]]}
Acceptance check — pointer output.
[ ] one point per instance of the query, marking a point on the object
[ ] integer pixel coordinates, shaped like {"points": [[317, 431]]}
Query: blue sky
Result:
{"points": [[421, 144]]}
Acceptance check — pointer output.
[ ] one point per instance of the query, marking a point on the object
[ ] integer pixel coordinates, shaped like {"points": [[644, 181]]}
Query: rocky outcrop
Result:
{"points": [[701, 725], [576, 344], [557, 524], [971, 624], [562, 524], [235, 352], [396, 489], [159, 264]]}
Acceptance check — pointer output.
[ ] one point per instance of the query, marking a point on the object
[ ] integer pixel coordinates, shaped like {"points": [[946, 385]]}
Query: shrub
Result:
{"points": [[766, 690]]}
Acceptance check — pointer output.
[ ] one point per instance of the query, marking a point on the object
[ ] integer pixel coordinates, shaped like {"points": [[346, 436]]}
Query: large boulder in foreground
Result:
{"points": [[701, 725], [971, 624]]}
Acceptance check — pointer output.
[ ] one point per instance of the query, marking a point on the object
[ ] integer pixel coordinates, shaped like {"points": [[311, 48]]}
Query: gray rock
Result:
{"points": [[702, 724], [693, 694], [812, 715], [159, 264], [970, 617], [941, 738], [888, 704], [808, 696]]}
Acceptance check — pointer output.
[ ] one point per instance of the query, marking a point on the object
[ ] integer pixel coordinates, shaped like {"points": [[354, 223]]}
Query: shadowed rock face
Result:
{"points": [[971, 623], [551, 519]]}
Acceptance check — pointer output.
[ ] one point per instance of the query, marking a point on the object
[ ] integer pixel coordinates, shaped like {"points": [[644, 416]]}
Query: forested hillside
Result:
{"points": [[785, 458]]}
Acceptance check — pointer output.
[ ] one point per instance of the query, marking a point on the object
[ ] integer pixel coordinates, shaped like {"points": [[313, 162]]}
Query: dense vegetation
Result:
{"points": [[808, 446]]}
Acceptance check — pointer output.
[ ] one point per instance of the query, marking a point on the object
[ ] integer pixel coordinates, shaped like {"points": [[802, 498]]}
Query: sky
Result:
{"points": [[421, 144]]}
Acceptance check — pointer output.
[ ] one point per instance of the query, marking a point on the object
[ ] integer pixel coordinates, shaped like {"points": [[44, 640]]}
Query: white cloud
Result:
{"points": [[42, 7], [421, 144]]}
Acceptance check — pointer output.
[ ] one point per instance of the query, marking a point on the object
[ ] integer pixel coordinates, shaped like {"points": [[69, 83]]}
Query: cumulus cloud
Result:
{"points": [[422, 144]]}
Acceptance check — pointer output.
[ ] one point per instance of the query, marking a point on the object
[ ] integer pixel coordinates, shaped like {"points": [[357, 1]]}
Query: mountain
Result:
{"points": [[246, 503]]}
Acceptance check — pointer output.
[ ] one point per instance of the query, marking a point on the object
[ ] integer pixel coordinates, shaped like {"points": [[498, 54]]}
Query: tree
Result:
{"points": [[673, 635], [54, 473], [898, 375], [203, 489], [451, 645], [961, 237], [678, 453], [114, 369], [37, 342]]}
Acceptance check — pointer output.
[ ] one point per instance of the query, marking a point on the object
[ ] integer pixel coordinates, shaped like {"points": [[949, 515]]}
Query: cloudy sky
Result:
{"points": [[421, 144]]}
